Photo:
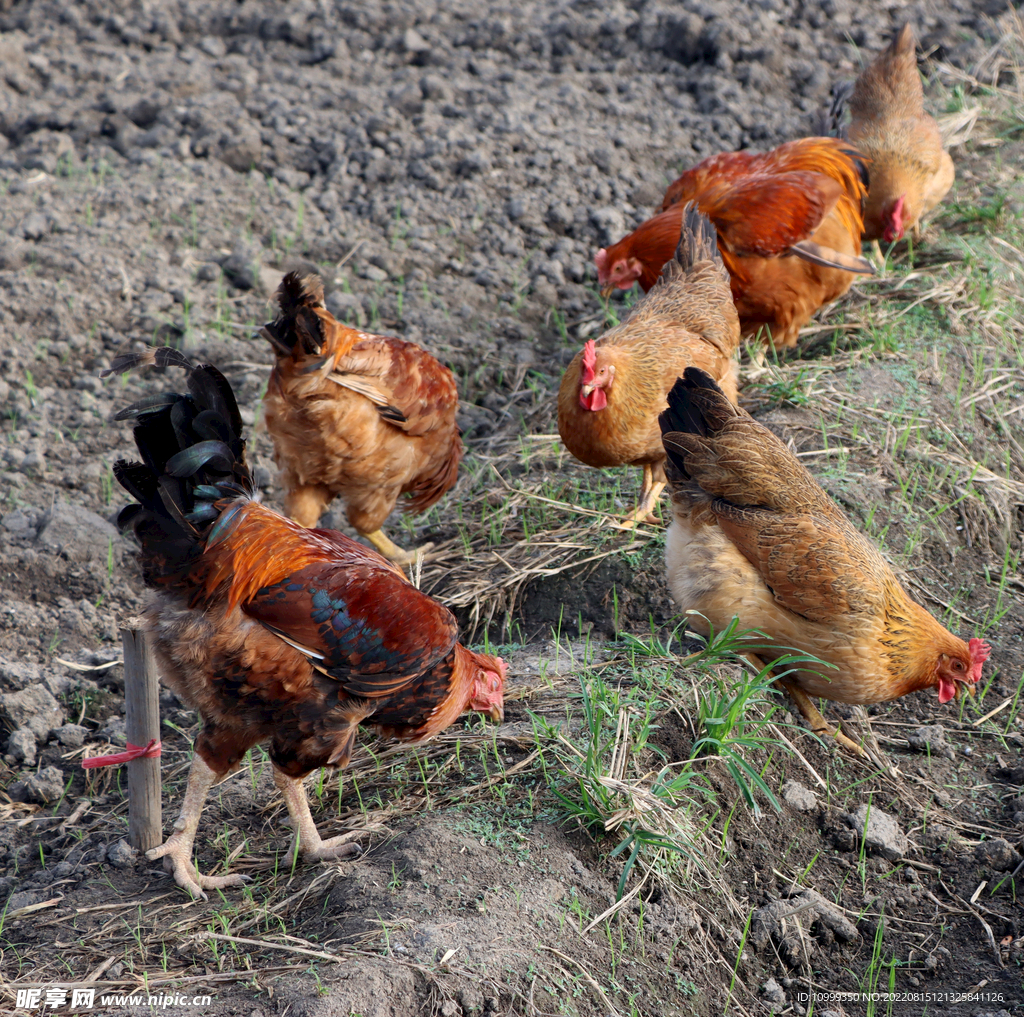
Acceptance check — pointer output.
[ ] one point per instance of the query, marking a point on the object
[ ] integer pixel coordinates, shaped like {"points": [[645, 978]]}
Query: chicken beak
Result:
{"points": [[497, 713], [607, 291], [585, 390]]}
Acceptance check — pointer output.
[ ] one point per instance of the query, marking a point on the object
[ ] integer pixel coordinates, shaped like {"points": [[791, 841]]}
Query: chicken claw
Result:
{"points": [[331, 850], [311, 846], [878, 257], [176, 852], [392, 551], [650, 492], [817, 722]]}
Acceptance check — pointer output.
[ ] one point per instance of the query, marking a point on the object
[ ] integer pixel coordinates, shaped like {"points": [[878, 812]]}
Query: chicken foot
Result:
{"points": [[878, 256], [815, 720], [650, 492], [176, 851], [310, 844], [811, 713], [392, 551]]}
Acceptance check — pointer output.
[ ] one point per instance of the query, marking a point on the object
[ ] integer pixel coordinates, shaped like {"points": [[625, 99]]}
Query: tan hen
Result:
{"points": [[754, 537], [613, 391]]}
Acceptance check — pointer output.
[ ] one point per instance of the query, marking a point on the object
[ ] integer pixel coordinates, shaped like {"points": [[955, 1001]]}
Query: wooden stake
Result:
{"points": [[142, 725]]}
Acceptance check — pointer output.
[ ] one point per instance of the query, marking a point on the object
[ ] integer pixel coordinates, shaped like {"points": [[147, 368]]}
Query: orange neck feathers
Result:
{"points": [[258, 547]]}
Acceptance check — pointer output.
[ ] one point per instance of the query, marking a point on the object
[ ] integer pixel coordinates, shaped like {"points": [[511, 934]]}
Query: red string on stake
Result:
{"points": [[130, 753]]}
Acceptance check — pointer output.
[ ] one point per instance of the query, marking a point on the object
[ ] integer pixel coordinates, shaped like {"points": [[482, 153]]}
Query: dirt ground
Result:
{"points": [[450, 170]]}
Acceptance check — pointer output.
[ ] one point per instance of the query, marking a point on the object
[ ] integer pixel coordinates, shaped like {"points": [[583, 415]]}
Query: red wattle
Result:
{"points": [[947, 690]]}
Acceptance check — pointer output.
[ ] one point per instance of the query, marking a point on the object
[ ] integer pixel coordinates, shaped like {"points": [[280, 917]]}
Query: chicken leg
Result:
{"points": [[176, 851], [392, 551], [811, 713], [816, 721], [305, 503], [650, 492], [310, 844], [878, 256]]}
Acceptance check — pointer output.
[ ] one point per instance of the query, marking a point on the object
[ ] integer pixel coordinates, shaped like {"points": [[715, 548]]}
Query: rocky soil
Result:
{"points": [[450, 170]]}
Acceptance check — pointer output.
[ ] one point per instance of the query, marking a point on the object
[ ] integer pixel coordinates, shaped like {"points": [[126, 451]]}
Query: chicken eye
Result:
{"points": [[958, 665]]}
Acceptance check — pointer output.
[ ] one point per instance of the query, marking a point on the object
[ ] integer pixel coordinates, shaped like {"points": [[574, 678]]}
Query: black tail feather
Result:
{"points": [[212, 392], [151, 404], [193, 457], [211, 426], [181, 416], [684, 414], [137, 479], [151, 356]]}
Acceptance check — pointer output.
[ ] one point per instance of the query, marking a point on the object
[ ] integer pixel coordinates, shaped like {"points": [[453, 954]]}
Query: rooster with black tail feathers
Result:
{"points": [[274, 633]]}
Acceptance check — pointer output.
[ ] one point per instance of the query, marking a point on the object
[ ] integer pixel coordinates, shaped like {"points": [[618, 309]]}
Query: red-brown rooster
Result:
{"points": [[275, 633], [789, 225]]}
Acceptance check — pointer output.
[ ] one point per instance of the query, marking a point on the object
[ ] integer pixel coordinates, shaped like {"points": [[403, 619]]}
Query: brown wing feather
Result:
{"points": [[764, 216], [411, 379], [816, 567], [425, 393]]}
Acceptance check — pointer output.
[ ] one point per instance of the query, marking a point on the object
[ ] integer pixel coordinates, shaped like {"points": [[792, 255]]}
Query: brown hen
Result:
{"points": [[359, 416], [754, 537], [612, 391], [909, 170]]}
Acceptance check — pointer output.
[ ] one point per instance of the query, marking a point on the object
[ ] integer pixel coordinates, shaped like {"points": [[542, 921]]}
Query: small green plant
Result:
{"points": [[558, 317], [877, 968], [604, 787], [739, 957], [395, 882], [733, 718], [986, 213]]}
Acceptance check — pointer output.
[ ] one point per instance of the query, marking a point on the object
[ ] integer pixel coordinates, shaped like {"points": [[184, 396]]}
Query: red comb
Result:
{"points": [[980, 651], [589, 361], [895, 229], [601, 263]]}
